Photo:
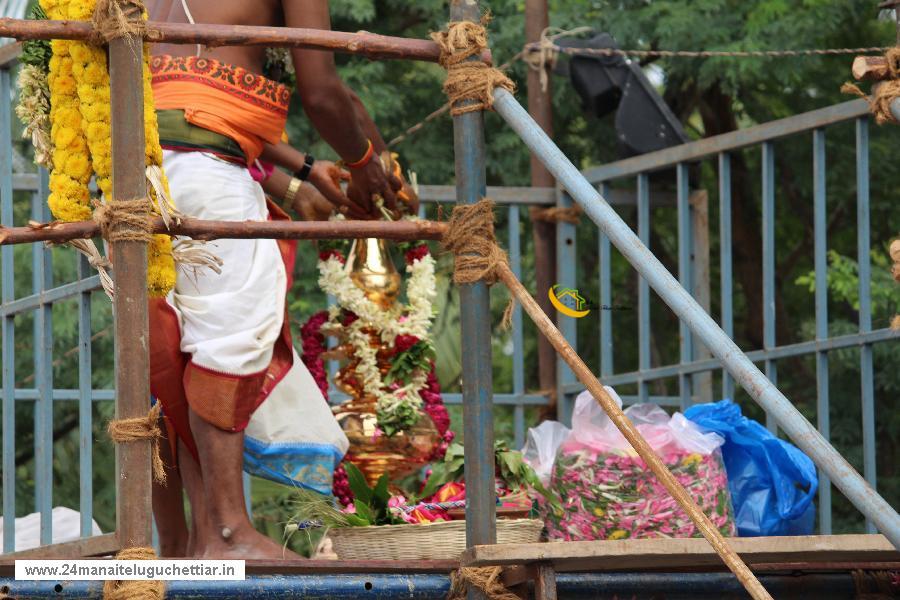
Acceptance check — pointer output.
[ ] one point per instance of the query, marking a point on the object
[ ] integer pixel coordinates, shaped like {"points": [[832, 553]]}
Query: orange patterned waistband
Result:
{"points": [[229, 100]]}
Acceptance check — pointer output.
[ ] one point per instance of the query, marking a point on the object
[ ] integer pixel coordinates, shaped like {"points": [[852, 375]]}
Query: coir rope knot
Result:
{"points": [[134, 590], [470, 82], [114, 19], [557, 214], [125, 220], [883, 93], [123, 431], [486, 579], [470, 237]]}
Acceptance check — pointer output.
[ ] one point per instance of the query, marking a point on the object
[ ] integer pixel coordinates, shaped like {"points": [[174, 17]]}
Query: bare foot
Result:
{"points": [[246, 543]]}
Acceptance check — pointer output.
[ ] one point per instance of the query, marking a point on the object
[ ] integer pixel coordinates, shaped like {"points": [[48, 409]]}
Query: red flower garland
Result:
{"points": [[313, 345]]}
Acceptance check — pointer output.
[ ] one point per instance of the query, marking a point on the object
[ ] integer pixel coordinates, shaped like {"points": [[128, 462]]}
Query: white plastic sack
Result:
{"points": [[592, 427], [66, 528], [541, 447], [293, 437]]}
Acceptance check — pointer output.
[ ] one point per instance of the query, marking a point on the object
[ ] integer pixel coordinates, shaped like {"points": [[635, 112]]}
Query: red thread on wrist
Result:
{"points": [[367, 157]]}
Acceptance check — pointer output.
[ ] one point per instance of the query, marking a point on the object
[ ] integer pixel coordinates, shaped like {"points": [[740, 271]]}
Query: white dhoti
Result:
{"points": [[229, 320], [220, 343]]}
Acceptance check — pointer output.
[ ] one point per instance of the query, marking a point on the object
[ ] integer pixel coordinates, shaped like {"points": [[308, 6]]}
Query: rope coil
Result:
{"points": [[485, 579], [115, 19], [557, 214], [134, 590], [470, 83], [470, 237], [884, 92], [542, 56], [125, 220], [137, 429]]}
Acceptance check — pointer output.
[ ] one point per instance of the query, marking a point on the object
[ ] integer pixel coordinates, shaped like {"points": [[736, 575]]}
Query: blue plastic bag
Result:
{"points": [[772, 482]]}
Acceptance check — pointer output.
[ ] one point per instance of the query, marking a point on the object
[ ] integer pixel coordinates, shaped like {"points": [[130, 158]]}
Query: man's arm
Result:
{"points": [[365, 121], [328, 103], [320, 176]]}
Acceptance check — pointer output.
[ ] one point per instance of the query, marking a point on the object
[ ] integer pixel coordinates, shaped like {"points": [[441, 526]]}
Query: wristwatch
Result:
{"points": [[303, 172]]}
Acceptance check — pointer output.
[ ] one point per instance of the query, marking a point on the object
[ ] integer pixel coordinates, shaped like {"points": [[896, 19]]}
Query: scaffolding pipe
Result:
{"points": [[370, 45], [132, 326], [199, 229], [841, 473], [475, 324]]}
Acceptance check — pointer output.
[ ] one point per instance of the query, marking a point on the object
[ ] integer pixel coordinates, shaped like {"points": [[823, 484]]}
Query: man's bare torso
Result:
{"points": [[225, 12]]}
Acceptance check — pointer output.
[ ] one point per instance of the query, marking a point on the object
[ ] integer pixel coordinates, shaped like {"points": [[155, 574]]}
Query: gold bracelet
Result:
{"points": [[291, 192]]}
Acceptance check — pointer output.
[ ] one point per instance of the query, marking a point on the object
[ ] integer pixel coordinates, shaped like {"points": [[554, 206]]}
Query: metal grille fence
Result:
{"points": [[694, 366], [693, 361]]}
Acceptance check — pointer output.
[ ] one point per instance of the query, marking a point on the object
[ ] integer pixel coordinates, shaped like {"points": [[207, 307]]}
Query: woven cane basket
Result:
{"points": [[429, 541]]}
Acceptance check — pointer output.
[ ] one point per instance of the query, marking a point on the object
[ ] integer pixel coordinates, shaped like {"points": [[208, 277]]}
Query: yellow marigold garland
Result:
{"points": [[160, 260], [69, 197], [81, 134]]}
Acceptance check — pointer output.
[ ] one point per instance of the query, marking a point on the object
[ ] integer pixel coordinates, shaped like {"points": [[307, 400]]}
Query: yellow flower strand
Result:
{"points": [[161, 262], [69, 196], [81, 132]]}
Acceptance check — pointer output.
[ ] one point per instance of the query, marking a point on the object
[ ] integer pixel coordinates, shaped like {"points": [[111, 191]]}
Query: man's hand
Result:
{"points": [[311, 205], [326, 178], [371, 180]]}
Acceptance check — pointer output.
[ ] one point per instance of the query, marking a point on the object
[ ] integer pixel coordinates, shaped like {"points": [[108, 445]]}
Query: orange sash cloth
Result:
{"points": [[229, 100], [226, 401]]}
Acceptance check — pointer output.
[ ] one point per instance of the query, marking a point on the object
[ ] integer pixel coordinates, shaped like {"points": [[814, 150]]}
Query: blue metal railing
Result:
{"points": [[690, 364], [44, 295]]}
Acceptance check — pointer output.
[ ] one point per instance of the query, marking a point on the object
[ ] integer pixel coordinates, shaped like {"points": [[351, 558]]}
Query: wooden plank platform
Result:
{"points": [[98, 545], [656, 554], [260, 567]]}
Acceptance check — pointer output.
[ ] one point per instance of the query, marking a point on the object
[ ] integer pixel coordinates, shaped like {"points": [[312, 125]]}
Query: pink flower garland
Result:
{"points": [[313, 345]]}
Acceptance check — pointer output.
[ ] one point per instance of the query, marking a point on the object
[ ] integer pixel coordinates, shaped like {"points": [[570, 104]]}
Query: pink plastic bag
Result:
{"points": [[607, 492]]}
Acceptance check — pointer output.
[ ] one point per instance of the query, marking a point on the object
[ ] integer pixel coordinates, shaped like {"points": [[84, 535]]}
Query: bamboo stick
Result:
{"points": [[634, 437], [199, 229], [370, 45]]}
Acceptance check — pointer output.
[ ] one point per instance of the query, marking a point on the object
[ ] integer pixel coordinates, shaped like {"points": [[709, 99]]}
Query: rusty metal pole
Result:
{"points": [[133, 510], [540, 108]]}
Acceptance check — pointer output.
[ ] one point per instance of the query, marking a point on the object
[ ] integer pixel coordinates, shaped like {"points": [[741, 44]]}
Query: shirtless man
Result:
{"points": [[218, 344]]}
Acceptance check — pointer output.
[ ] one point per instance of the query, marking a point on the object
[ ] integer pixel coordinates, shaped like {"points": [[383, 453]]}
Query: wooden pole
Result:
{"points": [[540, 108], [699, 201], [870, 68], [199, 229], [132, 363], [634, 437], [370, 45]]}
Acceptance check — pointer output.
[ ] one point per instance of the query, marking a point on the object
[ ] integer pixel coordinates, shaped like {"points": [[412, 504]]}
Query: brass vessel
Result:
{"points": [[376, 454], [371, 269]]}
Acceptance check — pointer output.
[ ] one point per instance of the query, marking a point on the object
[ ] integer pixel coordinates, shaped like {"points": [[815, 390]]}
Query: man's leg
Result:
{"points": [[221, 460], [193, 485], [168, 505]]}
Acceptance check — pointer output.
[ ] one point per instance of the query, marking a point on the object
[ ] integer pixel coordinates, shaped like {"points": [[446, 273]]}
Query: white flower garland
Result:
{"points": [[413, 318]]}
